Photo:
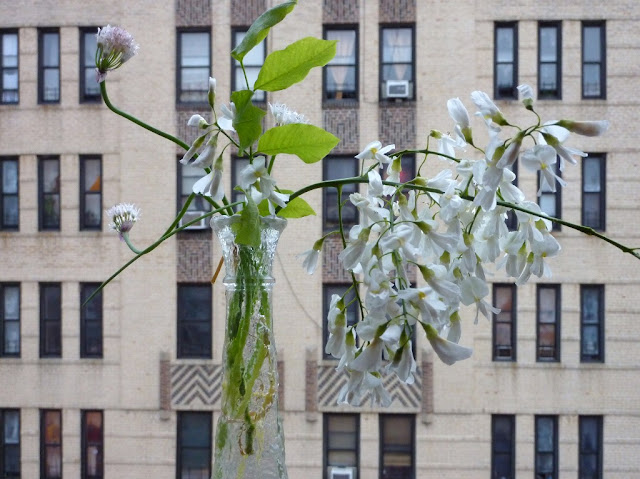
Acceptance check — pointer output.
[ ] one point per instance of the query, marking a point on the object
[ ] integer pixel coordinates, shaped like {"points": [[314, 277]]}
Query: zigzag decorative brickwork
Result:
{"points": [[194, 257], [398, 125], [193, 13], [397, 11], [406, 398], [344, 123], [341, 11], [185, 133], [332, 270], [244, 12], [196, 385]]}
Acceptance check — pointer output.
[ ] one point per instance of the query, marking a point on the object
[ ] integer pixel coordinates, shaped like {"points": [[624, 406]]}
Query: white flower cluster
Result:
{"points": [[123, 216], [447, 228], [114, 47], [285, 116]]}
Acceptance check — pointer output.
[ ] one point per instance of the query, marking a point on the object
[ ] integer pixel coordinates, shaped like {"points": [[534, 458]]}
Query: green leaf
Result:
{"points": [[283, 68], [310, 143], [248, 119], [296, 208], [248, 229], [258, 31]]}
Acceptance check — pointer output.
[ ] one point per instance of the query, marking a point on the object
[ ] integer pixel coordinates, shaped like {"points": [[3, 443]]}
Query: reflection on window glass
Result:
{"points": [[340, 74], [252, 63], [194, 66]]}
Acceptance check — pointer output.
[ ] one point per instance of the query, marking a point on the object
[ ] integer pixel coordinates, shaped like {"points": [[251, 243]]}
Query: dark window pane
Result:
{"points": [[194, 321]]}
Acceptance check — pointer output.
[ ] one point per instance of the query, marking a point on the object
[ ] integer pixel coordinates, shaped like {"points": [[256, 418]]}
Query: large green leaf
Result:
{"points": [[310, 143], [283, 68], [258, 31], [248, 118], [248, 229], [296, 208]]}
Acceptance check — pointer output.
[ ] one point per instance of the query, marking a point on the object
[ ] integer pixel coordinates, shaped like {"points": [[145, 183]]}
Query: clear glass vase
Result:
{"points": [[249, 437]]}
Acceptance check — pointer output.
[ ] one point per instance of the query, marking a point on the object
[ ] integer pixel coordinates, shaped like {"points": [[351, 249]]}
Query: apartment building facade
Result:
{"points": [[129, 386]]}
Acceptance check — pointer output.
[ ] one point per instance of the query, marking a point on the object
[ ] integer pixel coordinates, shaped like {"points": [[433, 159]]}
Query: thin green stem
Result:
{"points": [[125, 237]]}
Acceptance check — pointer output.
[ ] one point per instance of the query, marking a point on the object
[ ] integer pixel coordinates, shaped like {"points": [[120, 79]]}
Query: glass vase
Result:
{"points": [[249, 440]]}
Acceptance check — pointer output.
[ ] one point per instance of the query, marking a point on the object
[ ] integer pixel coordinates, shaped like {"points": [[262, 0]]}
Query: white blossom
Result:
{"points": [[123, 216]]}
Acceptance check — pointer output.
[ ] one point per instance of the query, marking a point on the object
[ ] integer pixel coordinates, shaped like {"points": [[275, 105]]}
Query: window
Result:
{"points": [[551, 201], [504, 323], [336, 167], [89, 86], [594, 64], [341, 73], [90, 193], [594, 191], [9, 319], [546, 447], [341, 444], [51, 444], [50, 320], [194, 320], [49, 193], [505, 67], [49, 66], [350, 303], [187, 177], [253, 62], [397, 438], [10, 217], [194, 66], [9, 67], [503, 446], [592, 323], [396, 65], [549, 60], [194, 445], [10, 443], [590, 455], [90, 322], [548, 322], [92, 445]]}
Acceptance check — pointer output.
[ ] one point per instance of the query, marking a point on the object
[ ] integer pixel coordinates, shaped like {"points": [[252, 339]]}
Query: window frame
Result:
{"points": [[602, 194], [497, 93], [412, 81], [599, 443], [603, 59], [42, 194], [86, 289], [6, 159], [513, 321], [546, 94], [557, 195], [347, 27], [4, 444], [554, 452], [179, 439], [333, 192], [198, 202], [179, 67], [82, 68], [42, 67], [84, 193], [600, 291], [85, 444], [326, 446], [44, 351], [3, 90], [557, 323], [400, 449], [511, 418], [235, 65], [3, 320], [44, 445], [207, 353]]}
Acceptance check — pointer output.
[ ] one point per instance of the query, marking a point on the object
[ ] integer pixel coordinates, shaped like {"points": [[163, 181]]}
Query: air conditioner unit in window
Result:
{"points": [[397, 89], [341, 473], [192, 215]]}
